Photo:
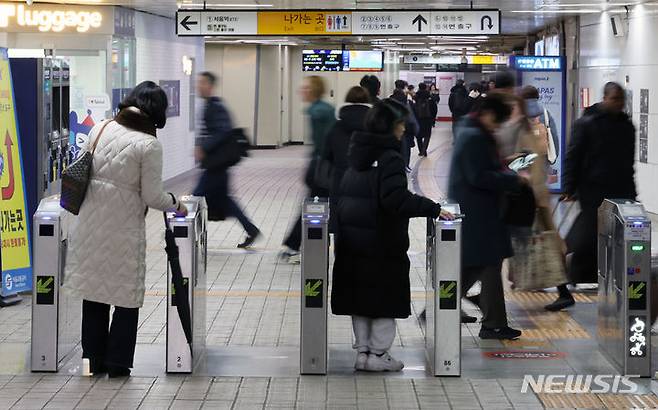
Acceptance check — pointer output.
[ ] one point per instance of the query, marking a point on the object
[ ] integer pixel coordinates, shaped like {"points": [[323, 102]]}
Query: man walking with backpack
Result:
{"points": [[212, 149], [425, 110]]}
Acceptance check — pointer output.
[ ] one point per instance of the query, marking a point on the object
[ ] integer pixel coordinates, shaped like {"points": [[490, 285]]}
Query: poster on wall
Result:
{"points": [[91, 110], [644, 101], [628, 108], [172, 89], [644, 138], [14, 220], [548, 76]]}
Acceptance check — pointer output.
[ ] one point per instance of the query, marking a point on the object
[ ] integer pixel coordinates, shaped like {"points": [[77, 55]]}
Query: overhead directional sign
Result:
{"points": [[337, 22]]}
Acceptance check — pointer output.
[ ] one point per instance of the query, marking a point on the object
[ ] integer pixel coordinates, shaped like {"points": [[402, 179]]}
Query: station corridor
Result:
{"points": [[253, 314]]}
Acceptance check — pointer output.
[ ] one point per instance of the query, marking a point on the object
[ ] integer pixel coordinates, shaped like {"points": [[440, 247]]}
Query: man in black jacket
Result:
{"points": [[214, 182], [456, 102], [599, 165], [411, 124]]}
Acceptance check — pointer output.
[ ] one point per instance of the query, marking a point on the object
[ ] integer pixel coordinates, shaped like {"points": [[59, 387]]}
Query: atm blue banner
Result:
{"points": [[548, 76]]}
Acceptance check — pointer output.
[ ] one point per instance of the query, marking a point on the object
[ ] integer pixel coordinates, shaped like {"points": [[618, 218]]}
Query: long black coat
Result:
{"points": [[599, 165], [350, 119], [371, 271], [478, 182]]}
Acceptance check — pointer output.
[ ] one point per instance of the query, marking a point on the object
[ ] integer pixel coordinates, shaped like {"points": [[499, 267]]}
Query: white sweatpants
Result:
{"points": [[373, 335]]}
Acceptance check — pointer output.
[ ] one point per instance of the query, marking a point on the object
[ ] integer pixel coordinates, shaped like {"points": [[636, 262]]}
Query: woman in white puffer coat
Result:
{"points": [[107, 241]]}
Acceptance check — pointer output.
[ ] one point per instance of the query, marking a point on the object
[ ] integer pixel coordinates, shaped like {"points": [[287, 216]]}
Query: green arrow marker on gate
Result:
{"points": [[446, 291], [44, 287], [312, 291], [635, 293]]}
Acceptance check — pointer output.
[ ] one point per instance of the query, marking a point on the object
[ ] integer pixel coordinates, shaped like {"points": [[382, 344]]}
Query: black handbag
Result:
{"points": [[324, 171], [519, 208], [75, 178]]}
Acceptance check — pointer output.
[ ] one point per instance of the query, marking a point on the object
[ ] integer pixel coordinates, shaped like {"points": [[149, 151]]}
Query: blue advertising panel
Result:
{"points": [[548, 75]]}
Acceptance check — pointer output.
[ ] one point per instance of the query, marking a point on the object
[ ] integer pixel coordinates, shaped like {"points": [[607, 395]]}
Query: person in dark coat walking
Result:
{"points": [[477, 183], [599, 164], [456, 102], [214, 183], [425, 110], [473, 98], [351, 119], [371, 271], [411, 126]]}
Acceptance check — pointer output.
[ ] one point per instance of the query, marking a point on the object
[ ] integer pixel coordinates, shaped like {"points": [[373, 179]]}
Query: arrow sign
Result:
{"points": [[186, 23], [312, 290], [636, 292], [419, 20], [447, 291], [490, 25], [44, 286], [8, 191]]}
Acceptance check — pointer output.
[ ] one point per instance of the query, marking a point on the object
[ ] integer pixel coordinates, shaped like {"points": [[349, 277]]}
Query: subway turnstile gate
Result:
{"points": [[624, 302], [191, 237], [55, 315], [443, 295], [315, 267]]}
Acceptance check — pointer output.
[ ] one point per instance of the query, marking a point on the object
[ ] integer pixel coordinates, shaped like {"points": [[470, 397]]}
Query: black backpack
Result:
{"points": [[423, 110]]}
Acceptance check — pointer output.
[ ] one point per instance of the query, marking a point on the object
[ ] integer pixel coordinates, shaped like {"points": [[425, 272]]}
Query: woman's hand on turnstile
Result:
{"points": [[446, 216]]}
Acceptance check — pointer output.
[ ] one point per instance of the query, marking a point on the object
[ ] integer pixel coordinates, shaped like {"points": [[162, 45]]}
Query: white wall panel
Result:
{"points": [[159, 57]]}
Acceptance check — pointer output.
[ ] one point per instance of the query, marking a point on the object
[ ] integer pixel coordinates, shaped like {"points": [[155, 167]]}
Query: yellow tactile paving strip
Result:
{"points": [[598, 401], [558, 325], [530, 299]]}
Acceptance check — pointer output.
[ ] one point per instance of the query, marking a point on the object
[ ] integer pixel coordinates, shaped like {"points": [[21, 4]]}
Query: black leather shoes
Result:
{"points": [[117, 371], [501, 333], [562, 302]]}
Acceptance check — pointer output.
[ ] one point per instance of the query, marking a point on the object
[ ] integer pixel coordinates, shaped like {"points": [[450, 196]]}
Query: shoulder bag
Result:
{"points": [[75, 178]]}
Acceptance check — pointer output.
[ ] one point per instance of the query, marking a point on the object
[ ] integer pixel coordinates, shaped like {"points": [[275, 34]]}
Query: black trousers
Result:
{"points": [[492, 296], [109, 344], [294, 238], [424, 134]]}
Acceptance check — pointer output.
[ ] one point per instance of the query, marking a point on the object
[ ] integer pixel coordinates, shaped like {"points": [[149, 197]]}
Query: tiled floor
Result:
{"points": [[253, 305]]}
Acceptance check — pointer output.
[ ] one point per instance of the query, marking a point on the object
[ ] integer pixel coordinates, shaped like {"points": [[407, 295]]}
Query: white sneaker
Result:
{"points": [[290, 256], [361, 359], [383, 363], [295, 258]]}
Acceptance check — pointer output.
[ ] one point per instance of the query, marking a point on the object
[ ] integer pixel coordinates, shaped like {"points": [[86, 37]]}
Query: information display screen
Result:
{"points": [[363, 60], [322, 60]]}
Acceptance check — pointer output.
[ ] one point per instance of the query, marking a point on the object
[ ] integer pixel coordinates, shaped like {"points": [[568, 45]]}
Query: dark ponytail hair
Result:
{"points": [[151, 100]]}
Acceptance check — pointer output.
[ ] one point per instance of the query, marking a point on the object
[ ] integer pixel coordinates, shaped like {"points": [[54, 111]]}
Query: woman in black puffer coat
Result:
{"points": [[371, 271], [351, 118]]}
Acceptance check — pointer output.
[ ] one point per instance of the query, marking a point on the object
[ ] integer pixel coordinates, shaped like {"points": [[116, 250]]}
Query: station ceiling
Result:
{"points": [[519, 16]]}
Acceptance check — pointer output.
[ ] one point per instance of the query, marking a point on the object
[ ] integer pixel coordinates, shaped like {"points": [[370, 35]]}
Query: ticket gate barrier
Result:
{"points": [[315, 270], [56, 316], [624, 274], [190, 234], [443, 294]]}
